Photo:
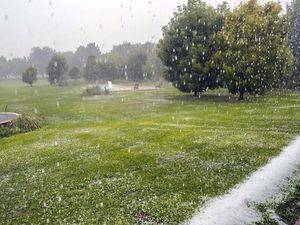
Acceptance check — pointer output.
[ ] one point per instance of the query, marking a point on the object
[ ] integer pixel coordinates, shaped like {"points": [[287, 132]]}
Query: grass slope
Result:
{"points": [[130, 158]]}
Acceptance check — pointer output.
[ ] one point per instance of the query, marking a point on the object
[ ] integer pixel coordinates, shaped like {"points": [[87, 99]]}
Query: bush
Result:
{"points": [[21, 125], [29, 76], [91, 91]]}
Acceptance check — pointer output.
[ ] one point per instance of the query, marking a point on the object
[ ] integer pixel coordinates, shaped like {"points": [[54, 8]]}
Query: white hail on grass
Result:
{"points": [[235, 208]]}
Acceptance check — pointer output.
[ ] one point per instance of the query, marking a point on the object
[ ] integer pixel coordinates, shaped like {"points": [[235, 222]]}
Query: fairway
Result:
{"points": [[133, 157]]}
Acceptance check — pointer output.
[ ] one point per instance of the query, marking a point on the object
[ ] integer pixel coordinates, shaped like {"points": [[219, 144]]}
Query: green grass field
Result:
{"points": [[133, 158]]}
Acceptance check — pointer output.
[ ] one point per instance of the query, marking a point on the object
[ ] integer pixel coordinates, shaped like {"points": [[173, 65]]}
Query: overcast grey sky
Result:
{"points": [[66, 24]]}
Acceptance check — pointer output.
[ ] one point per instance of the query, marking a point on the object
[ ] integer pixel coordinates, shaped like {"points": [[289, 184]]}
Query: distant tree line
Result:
{"points": [[39, 58], [12, 67], [136, 62], [250, 49]]}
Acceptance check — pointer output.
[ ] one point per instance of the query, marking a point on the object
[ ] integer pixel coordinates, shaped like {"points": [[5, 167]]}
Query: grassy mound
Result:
{"points": [[21, 125]]}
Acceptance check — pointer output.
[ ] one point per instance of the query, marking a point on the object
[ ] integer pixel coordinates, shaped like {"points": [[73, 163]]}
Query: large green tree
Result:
{"points": [[294, 37], [254, 56], [56, 69], [188, 45]]}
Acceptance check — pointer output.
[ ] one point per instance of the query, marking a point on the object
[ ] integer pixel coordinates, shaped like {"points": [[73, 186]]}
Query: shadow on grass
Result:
{"points": [[224, 98]]}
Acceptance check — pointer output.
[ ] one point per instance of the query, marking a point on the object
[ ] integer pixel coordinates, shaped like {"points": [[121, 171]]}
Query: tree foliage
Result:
{"points": [[116, 63], [29, 76], [40, 57], [106, 70], [75, 73], [90, 70], [110, 66], [254, 53], [294, 37], [121, 54], [82, 54], [56, 69], [12, 67], [188, 45], [245, 50], [136, 64]]}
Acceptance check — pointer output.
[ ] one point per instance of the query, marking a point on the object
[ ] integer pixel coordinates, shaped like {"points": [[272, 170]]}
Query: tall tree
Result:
{"points": [[294, 37], [153, 68], [136, 64], [56, 69], [75, 73], [39, 57], [106, 71], [70, 57], [188, 45], [29, 76], [3, 67], [83, 52], [255, 56], [117, 62], [121, 54], [90, 70]]}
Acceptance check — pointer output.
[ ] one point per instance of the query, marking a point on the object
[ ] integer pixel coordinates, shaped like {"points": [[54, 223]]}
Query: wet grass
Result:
{"points": [[133, 158]]}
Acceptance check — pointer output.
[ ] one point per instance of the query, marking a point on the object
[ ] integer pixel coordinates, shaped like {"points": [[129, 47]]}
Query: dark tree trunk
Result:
{"points": [[241, 98], [197, 93]]}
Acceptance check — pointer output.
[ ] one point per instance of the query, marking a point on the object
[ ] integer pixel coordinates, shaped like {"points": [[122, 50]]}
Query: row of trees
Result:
{"points": [[40, 57], [134, 69], [246, 50], [12, 67], [128, 61], [133, 62]]}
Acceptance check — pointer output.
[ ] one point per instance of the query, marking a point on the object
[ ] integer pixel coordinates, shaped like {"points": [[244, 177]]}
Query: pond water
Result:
{"points": [[6, 117]]}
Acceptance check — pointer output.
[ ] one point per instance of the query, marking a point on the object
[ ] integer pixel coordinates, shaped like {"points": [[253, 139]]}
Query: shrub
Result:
{"points": [[29, 75], [21, 125], [90, 91]]}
